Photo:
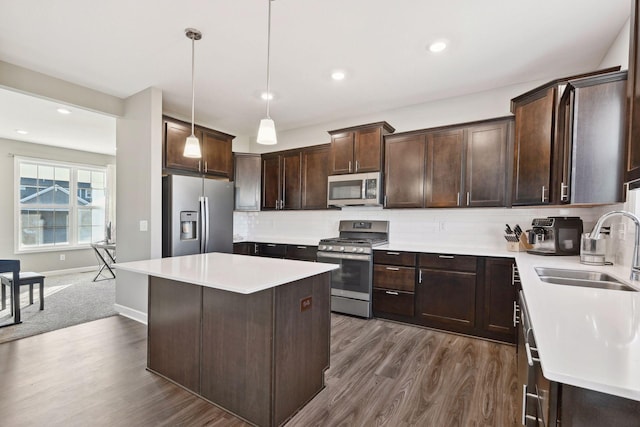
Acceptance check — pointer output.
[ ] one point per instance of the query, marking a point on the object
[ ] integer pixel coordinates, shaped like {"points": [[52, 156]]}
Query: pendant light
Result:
{"points": [[267, 129], [192, 145]]}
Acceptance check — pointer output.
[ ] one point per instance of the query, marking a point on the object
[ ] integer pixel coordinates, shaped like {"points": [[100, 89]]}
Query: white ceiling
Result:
{"points": [[121, 47]]}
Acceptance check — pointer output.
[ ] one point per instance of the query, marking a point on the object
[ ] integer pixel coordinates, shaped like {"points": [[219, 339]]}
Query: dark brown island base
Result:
{"points": [[250, 335]]}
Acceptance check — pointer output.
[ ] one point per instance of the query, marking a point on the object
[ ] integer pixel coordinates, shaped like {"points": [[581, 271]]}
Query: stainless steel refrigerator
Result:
{"points": [[197, 215]]}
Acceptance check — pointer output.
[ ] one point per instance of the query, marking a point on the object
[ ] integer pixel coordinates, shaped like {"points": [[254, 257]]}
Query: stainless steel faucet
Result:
{"points": [[595, 234]]}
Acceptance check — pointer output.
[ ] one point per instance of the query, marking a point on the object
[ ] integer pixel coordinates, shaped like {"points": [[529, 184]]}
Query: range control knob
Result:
{"points": [[329, 248], [341, 248], [360, 249], [354, 249], [322, 247]]}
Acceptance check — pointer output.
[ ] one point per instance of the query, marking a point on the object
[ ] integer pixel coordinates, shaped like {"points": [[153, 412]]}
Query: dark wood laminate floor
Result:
{"points": [[382, 374]]}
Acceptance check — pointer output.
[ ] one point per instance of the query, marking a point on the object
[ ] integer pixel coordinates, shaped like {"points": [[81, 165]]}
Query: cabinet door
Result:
{"points": [[499, 297], [485, 171], [291, 183], [270, 182], [532, 150], [314, 177], [217, 156], [247, 182], [341, 160], [632, 171], [444, 168], [404, 171], [368, 150], [446, 299], [175, 136]]}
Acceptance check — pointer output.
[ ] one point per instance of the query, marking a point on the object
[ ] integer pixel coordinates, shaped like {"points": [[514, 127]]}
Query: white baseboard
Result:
{"points": [[69, 271], [129, 312]]}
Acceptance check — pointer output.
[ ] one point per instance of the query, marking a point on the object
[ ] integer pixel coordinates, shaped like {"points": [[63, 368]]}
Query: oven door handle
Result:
{"points": [[341, 255]]}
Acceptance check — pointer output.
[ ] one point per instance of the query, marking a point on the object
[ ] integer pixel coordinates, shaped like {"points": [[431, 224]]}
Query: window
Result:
{"points": [[59, 204]]}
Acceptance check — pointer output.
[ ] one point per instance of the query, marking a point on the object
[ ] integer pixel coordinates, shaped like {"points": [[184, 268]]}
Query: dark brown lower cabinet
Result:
{"points": [[394, 280], [497, 300], [447, 299], [261, 356], [302, 252]]}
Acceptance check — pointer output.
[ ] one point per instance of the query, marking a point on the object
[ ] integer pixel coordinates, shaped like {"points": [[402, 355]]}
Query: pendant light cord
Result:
{"points": [[268, 52], [193, 83]]}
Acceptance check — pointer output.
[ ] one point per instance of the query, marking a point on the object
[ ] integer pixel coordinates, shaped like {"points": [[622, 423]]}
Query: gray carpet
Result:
{"points": [[69, 300]]}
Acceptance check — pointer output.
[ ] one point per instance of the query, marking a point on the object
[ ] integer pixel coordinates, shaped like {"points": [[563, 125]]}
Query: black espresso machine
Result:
{"points": [[555, 235]]}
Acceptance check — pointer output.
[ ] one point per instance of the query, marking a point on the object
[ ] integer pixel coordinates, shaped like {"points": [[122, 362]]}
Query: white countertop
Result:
{"points": [[235, 273], [585, 337]]}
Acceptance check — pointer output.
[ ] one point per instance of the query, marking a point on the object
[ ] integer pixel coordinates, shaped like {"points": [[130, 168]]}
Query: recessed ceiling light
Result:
{"points": [[338, 75], [266, 96], [438, 46], [21, 131], [63, 111]]}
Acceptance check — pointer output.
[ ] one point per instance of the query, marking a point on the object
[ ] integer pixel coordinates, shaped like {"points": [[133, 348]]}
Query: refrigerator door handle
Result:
{"points": [[202, 230], [206, 224]]}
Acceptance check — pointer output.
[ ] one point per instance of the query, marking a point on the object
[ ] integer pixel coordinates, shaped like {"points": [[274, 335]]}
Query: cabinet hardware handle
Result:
{"points": [[419, 276], [391, 293], [564, 196], [543, 190], [446, 256], [357, 166], [255, 248], [393, 253], [393, 268], [526, 417], [301, 247], [349, 165], [458, 199], [199, 165], [468, 198], [206, 167], [384, 204], [271, 245], [530, 359], [515, 314], [515, 276]]}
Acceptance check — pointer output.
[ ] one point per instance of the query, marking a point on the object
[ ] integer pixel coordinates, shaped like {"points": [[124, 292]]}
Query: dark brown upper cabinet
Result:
{"points": [[217, 156], [315, 161], [295, 179], [281, 186], [632, 155], [589, 166], [358, 149], [460, 165], [247, 181], [536, 136]]}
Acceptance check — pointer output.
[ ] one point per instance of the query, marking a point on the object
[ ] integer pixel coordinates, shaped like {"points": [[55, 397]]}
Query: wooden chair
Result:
{"points": [[12, 266]]}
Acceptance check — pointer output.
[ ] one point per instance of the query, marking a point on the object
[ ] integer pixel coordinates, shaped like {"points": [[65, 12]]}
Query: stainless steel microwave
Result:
{"points": [[356, 189]]}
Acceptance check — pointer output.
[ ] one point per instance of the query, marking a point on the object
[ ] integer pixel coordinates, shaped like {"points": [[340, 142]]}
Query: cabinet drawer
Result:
{"points": [[397, 278], [448, 262], [302, 252], [393, 302], [272, 250], [394, 258]]}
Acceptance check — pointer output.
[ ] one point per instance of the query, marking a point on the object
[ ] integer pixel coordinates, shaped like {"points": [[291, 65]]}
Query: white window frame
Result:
{"points": [[73, 205]]}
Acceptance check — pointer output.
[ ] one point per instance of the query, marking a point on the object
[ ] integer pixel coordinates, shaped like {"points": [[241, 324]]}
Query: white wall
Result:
{"points": [[139, 195], [618, 53], [45, 262]]}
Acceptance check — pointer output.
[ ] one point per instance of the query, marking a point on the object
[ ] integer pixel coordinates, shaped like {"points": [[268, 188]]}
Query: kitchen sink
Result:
{"points": [[588, 279]]}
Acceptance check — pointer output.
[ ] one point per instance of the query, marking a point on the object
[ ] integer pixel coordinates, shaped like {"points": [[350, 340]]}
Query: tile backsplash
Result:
{"points": [[479, 227]]}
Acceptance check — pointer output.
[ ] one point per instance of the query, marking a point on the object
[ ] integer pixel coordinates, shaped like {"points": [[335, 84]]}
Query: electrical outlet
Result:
{"points": [[62, 257], [144, 225]]}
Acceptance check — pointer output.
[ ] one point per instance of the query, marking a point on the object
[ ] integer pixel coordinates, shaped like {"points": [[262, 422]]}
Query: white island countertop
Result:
{"points": [[586, 337], [235, 273]]}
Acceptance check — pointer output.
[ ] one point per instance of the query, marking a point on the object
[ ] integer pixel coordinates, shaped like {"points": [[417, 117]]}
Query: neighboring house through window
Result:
{"points": [[58, 204]]}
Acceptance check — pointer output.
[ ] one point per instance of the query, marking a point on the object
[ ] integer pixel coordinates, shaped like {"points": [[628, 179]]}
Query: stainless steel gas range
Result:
{"points": [[351, 284]]}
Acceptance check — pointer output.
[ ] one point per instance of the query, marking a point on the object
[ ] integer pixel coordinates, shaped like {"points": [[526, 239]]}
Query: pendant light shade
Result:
{"points": [[267, 129], [192, 145], [267, 132]]}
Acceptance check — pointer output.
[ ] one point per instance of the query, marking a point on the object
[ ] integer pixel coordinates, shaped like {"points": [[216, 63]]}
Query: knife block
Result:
{"points": [[516, 247]]}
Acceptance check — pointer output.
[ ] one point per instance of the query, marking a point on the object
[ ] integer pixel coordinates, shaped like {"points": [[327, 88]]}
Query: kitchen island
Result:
{"points": [[248, 334]]}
